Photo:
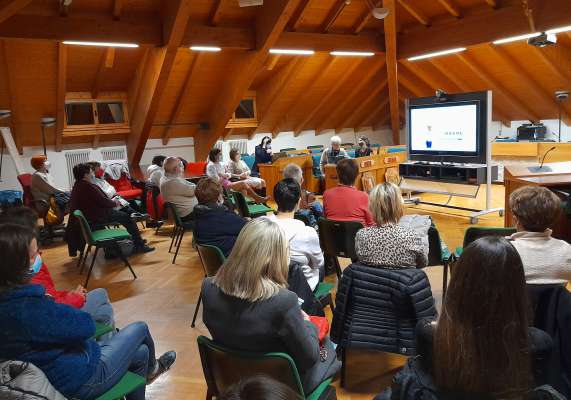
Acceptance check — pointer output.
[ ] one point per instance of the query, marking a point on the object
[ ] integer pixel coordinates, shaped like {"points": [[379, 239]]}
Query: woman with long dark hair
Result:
{"points": [[263, 153], [481, 346]]}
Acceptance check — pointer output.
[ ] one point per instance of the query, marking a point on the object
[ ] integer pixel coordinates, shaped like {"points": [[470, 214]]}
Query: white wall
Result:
{"points": [[497, 129], [177, 147]]}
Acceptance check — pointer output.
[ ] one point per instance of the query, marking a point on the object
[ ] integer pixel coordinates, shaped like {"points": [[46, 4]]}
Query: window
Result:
{"points": [[86, 113], [245, 109], [245, 115], [79, 114], [110, 113]]}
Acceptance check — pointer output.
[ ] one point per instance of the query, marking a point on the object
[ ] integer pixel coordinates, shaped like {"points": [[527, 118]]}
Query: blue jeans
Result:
{"points": [[98, 306], [130, 349]]}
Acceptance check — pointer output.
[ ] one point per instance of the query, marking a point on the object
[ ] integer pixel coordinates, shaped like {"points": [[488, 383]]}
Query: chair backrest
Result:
{"points": [[175, 217], [122, 184], [434, 247], [223, 367], [316, 146], [26, 182], [211, 258], [476, 232], [249, 160], [287, 149], [337, 238], [241, 204], [85, 229], [196, 168]]}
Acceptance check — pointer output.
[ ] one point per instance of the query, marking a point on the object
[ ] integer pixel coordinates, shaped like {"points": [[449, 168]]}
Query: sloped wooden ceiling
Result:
{"points": [[171, 89]]}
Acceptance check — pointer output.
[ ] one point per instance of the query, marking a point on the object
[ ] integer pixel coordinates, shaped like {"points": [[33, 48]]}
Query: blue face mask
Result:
{"points": [[35, 267]]}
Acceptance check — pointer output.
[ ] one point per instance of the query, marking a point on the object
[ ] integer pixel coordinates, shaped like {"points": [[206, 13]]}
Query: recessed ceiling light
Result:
{"points": [[292, 51], [559, 30], [437, 53], [100, 44], [353, 53], [212, 49], [516, 38]]}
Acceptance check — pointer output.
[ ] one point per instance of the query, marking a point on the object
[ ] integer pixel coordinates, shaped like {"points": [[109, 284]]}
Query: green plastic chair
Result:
{"points": [[223, 367], [211, 258], [249, 210], [337, 239], [476, 232], [102, 238], [101, 329], [438, 255], [179, 230], [128, 383], [322, 293]]}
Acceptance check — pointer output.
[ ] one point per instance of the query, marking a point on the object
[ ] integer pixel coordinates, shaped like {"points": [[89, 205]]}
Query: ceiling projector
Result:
{"points": [[545, 39]]}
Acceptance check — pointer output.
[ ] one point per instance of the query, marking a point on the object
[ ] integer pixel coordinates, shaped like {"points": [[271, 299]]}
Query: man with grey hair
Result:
{"points": [[332, 154], [309, 208]]}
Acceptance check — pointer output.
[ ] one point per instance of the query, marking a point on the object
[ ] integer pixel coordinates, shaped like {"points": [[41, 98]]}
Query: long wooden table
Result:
{"points": [[531, 151], [273, 173]]}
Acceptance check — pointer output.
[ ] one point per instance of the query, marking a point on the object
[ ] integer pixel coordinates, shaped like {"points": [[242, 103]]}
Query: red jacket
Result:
{"points": [[345, 203], [44, 278]]}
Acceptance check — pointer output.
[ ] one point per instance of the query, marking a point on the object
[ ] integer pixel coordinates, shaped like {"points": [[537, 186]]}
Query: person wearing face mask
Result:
{"points": [[99, 209], [43, 186], [177, 190], [214, 224], [364, 149], [332, 154], [263, 153]]}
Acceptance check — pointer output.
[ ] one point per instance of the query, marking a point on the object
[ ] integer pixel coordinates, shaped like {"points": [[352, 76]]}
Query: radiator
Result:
{"points": [[117, 153], [240, 144], [72, 158], [219, 144]]}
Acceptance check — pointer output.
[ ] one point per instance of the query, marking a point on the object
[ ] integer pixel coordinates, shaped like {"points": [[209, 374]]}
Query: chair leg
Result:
{"points": [[178, 244], [343, 364], [444, 281], [196, 310], [173, 235], [81, 254], [209, 394], [91, 266], [84, 259], [122, 257], [337, 267]]}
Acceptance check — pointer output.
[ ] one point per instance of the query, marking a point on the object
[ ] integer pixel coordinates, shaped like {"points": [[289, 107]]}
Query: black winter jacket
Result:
{"points": [[378, 308]]}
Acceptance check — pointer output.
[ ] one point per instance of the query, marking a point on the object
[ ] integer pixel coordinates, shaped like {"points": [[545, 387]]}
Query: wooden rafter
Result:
{"points": [[275, 88], [296, 18], [272, 61], [60, 93], [270, 23], [497, 88], [392, 67], [106, 63], [554, 67], [432, 81], [420, 89], [415, 12], [333, 14], [10, 7], [184, 92], [357, 113], [343, 106], [365, 16], [451, 7], [492, 3], [214, 17], [369, 116], [154, 77], [531, 84], [347, 74], [117, 9]]}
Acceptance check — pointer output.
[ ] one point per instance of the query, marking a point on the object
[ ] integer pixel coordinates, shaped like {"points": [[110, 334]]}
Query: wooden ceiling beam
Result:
{"points": [[343, 106], [347, 74], [509, 20], [357, 113], [10, 7], [429, 79], [60, 93], [333, 15], [365, 17], [154, 76], [419, 90], [296, 18], [272, 61], [451, 7], [214, 17], [554, 65], [184, 92], [530, 83], [499, 89], [372, 114], [415, 12], [106, 63], [117, 9], [270, 23], [392, 66]]}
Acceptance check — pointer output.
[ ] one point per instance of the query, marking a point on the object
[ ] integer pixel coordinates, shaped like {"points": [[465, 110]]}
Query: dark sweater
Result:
{"points": [[54, 337], [215, 225], [91, 201]]}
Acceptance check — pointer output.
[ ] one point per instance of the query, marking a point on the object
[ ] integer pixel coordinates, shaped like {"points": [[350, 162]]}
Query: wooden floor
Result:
{"points": [[164, 295]]}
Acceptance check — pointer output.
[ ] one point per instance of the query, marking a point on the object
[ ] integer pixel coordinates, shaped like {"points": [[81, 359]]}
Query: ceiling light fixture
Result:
{"points": [[437, 53], [380, 12], [100, 44], [516, 38], [562, 29], [212, 49], [292, 51], [353, 53]]}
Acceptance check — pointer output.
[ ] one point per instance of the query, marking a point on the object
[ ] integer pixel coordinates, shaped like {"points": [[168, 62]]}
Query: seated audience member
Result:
{"points": [[332, 154], [388, 244], [259, 387], [43, 186], [364, 149], [546, 260], [262, 154], [177, 190], [481, 347], [58, 338], [309, 207], [217, 171], [98, 209], [238, 168], [303, 240], [248, 307], [95, 302], [155, 171], [214, 224], [345, 202]]}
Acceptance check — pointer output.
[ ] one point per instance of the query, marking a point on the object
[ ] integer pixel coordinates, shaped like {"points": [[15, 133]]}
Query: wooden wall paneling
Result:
{"points": [[6, 99], [10, 7], [451, 7], [366, 102], [60, 93], [154, 78], [342, 107], [107, 61], [415, 12], [392, 67], [270, 23], [329, 42], [347, 75], [297, 16]]}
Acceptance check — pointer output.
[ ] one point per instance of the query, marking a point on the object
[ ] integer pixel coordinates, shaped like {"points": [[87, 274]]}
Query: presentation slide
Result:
{"points": [[452, 128]]}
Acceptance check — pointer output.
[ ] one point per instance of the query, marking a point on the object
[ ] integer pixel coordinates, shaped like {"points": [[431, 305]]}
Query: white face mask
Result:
{"points": [[47, 165]]}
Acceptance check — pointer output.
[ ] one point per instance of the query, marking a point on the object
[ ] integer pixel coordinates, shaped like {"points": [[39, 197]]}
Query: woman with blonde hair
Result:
{"points": [[388, 244], [248, 307]]}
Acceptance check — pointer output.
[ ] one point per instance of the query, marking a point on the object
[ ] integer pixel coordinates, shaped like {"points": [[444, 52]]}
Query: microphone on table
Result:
{"points": [[540, 168]]}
